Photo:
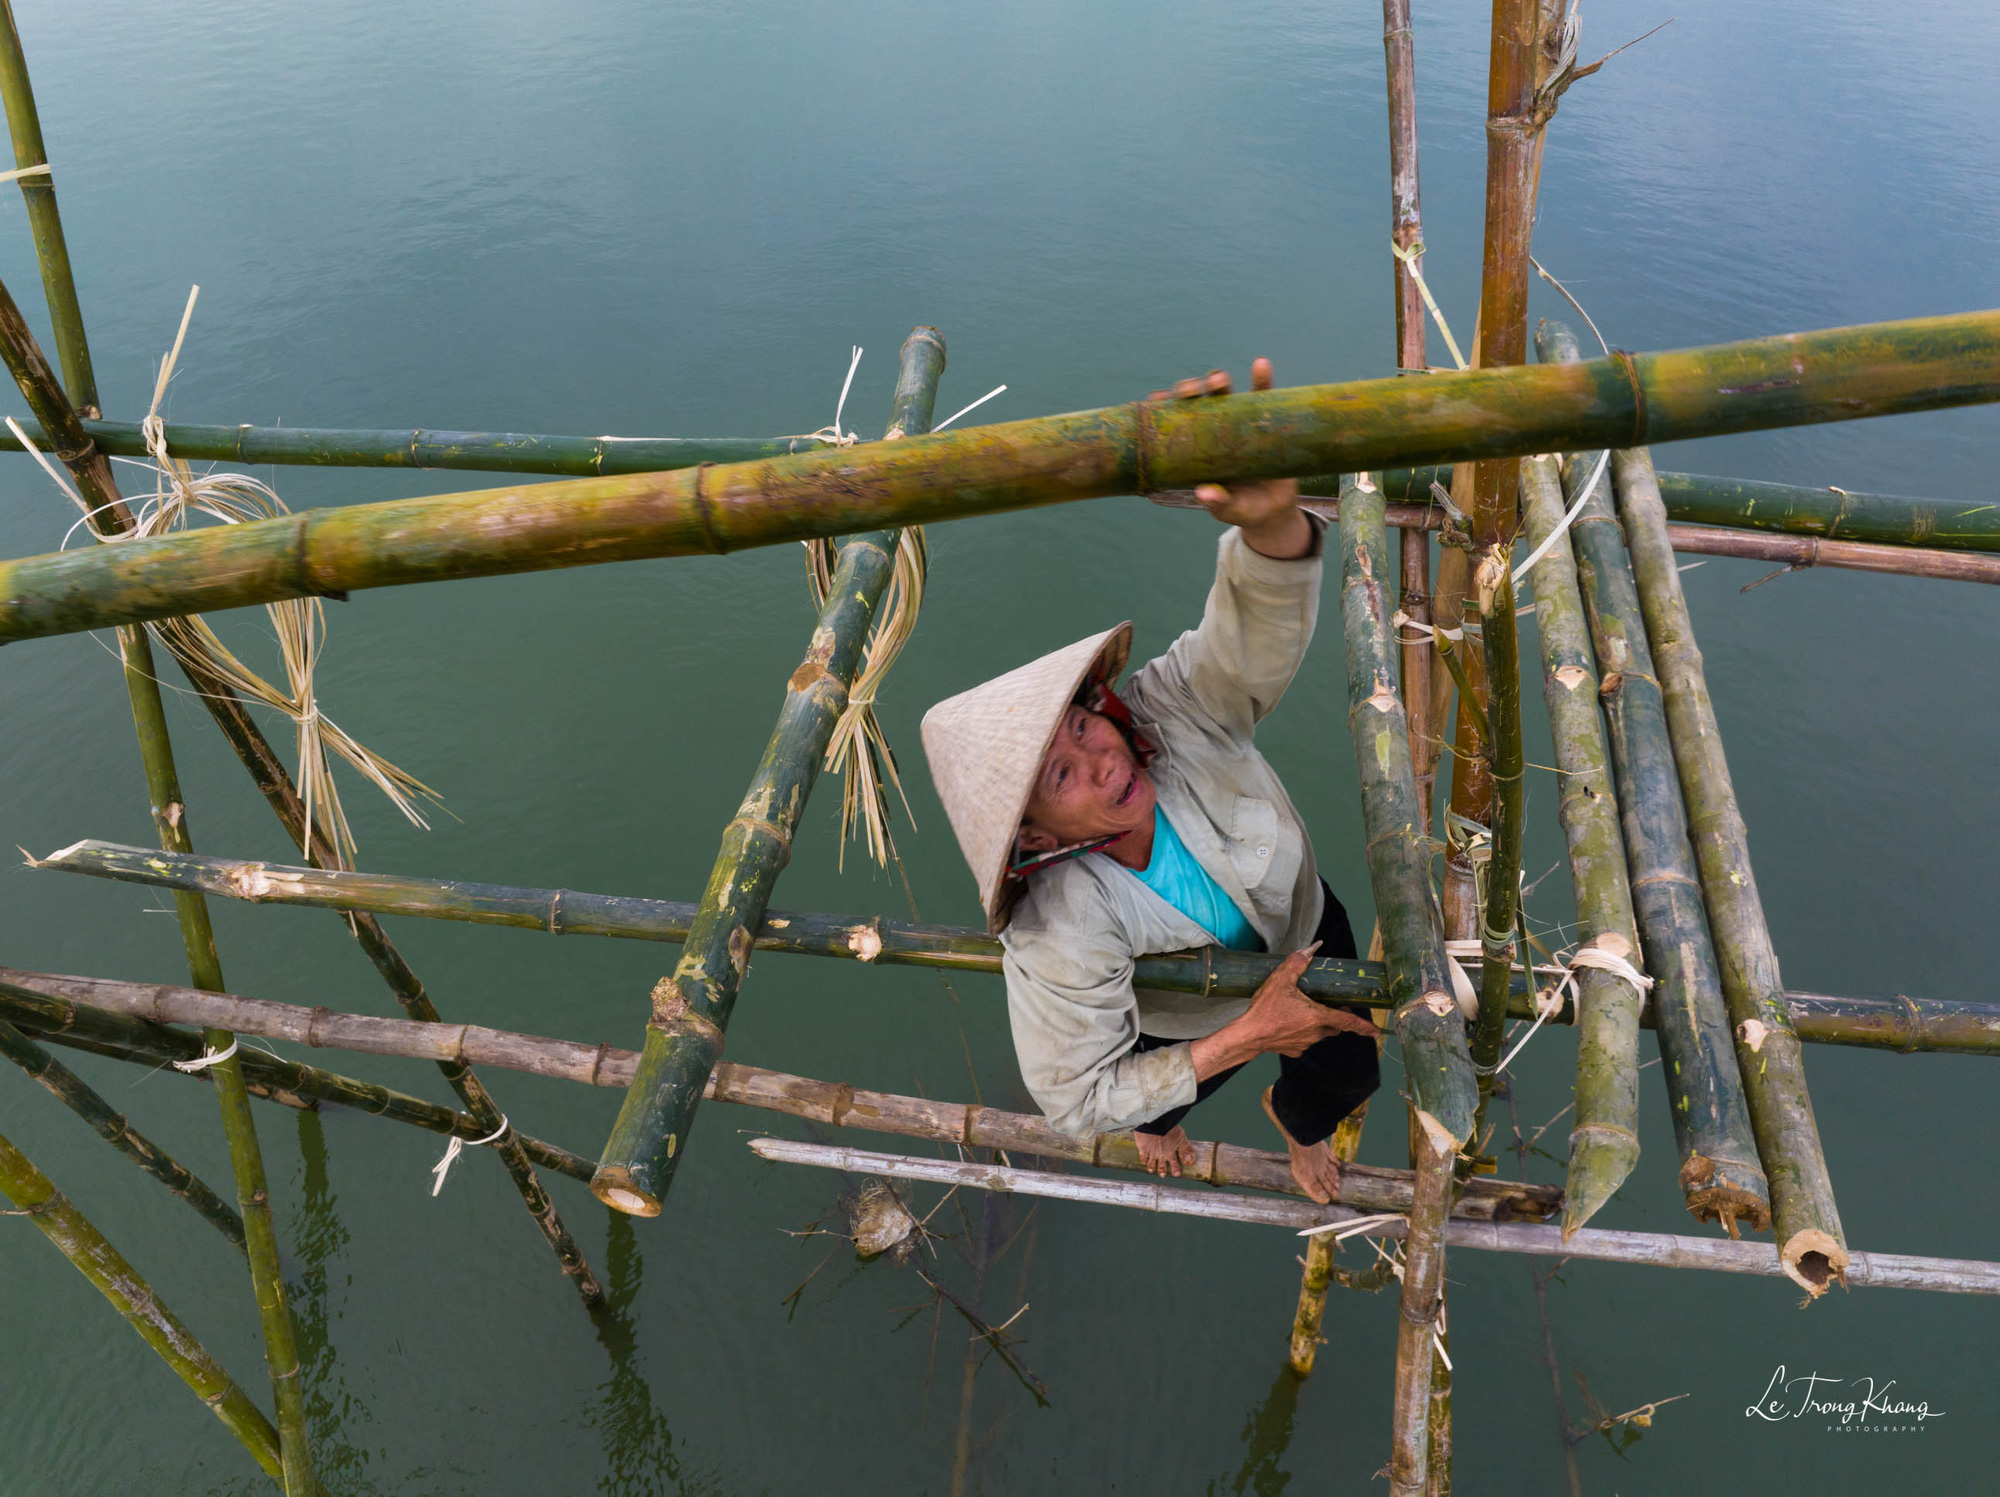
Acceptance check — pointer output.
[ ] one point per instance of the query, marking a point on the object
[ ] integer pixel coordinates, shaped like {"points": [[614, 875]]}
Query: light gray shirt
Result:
{"points": [[1070, 947]]}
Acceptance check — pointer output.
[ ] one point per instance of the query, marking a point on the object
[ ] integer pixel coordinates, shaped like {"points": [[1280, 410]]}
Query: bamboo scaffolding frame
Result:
{"points": [[111, 1125], [38, 191], [1604, 1136], [101, 1008], [1907, 1025], [1805, 1218], [691, 1006], [1592, 1244], [108, 514], [1721, 1177], [36, 1196], [423, 447], [1627, 399]]}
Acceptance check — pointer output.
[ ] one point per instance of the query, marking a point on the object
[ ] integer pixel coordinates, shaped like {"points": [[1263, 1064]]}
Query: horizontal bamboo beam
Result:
{"points": [[827, 1102], [1649, 1249], [1909, 1025], [1625, 400], [480, 451]]}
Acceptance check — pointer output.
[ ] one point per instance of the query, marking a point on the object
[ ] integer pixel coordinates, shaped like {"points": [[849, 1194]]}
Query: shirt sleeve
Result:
{"points": [[1075, 1020], [1230, 671]]}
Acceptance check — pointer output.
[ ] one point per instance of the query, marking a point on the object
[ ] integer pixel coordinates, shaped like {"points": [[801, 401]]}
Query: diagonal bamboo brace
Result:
{"points": [[691, 1006]]}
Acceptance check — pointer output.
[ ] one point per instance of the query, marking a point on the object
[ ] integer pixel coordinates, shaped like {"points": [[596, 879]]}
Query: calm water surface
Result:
{"points": [[675, 219]]}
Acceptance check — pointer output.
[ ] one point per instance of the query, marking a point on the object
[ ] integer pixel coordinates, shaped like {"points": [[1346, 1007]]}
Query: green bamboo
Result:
{"points": [[691, 1007], [1502, 648], [111, 1126], [1720, 1175], [58, 1010], [30, 369], [273, 781], [39, 192], [1806, 1219], [1628, 399], [1428, 1027], [1604, 1137], [421, 447], [1903, 1024], [36, 1196]]}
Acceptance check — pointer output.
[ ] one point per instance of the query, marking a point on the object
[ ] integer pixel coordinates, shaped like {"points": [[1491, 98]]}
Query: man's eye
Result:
{"points": [[1078, 729], [1062, 774]]}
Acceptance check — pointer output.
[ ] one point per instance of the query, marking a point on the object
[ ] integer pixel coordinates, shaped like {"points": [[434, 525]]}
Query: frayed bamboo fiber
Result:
{"points": [[111, 1125], [1628, 400], [36, 1197], [1593, 1244], [690, 1007], [1907, 1025]]}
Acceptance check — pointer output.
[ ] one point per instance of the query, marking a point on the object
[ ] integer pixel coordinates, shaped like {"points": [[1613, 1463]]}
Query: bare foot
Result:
{"points": [[1165, 1153], [1313, 1165]]}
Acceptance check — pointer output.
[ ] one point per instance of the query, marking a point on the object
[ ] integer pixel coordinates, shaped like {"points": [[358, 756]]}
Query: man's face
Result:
{"points": [[1091, 785]]}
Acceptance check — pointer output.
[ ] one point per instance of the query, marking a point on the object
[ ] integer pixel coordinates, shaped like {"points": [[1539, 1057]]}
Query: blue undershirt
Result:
{"points": [[1176, 877]]}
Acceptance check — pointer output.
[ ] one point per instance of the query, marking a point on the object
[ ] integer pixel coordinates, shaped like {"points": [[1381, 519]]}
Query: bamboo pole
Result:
{"points": [[268, 773], [1805, 1218], [691, 1007], [45, 1006], [1647, 1249], [92, 473], [1427, 1023], [1406, 219], [38, 190], [1417, 1334], [1628, 399], [103, 1008], [1903, 1024], [36, 1197], [111, 1126], [1604, 1137], [1720, 1176], [423, 447]]}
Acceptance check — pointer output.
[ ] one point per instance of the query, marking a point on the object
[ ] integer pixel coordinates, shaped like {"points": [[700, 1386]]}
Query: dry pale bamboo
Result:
{"points": [[1593, 1244]]}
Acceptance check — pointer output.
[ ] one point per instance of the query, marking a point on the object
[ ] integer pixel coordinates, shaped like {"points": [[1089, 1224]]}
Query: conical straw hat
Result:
{"points": [[985, 747]]}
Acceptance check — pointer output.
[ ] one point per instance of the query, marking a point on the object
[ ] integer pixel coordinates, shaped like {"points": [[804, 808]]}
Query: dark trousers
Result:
{"points": [[1317, 1089]]}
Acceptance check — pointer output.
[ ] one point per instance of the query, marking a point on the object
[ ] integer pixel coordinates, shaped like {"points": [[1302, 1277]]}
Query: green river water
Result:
{"points": [[674, 219]]}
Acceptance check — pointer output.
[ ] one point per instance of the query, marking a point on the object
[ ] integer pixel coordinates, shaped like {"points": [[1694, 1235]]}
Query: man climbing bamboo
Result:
{"points": [[1105, 824]]}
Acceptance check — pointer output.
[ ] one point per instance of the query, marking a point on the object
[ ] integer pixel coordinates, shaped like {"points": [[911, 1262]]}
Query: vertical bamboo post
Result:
{"points": [[39, 190], [36, 1197], [1720, 1175], [110, 1125], [1319, 1264], [1417, 1343], [691, 1007], [1604, 1138], [1806, 1221], [31, 371]]}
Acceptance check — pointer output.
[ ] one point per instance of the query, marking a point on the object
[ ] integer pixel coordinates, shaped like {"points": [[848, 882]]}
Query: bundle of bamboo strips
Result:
{"points": [[1904, 1024], [36, 1196], [1804, 1216], [1629, 399], [1720, 1176], [1604, 1138], [691, 1007]]}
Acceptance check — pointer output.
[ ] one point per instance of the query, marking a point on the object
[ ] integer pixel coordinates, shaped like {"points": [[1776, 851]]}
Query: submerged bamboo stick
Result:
{"points": [[38, 190], [1428, 1028], [691, 1007], [110, 1125], [1720, 1176], [1903, 1024], [1604, 1137], [477, 451], [95, 1007], [1805, 1218], [48, 1007], [36, 1197], [1648, 1249], [1413, 1435], [92, 473], [1628, 399]]}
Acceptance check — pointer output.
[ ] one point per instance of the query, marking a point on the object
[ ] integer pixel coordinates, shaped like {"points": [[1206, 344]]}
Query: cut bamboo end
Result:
{"points": [[1813, 1259], [614, 1185], [1601, 1158]]}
